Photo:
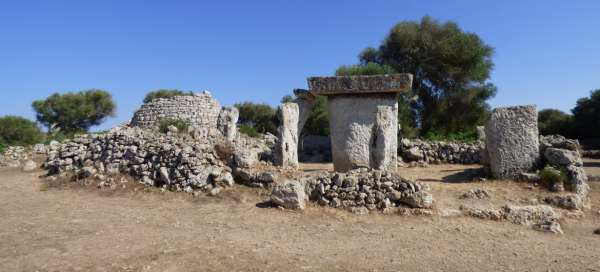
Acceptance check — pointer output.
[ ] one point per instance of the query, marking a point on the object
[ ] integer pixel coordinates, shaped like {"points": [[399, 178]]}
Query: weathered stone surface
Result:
{"points": [[290, 195], [375, 190], [415, 150], [394, 83], [562, 157], [512, 141], [537, 217], [481, 133], [287, 147], [362, 134], [200, 110], [568, 201], [227, 122], [476, 193]]}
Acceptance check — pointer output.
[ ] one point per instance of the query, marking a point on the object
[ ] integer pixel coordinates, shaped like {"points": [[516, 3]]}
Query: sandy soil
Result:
{"points": [[45, 228]]}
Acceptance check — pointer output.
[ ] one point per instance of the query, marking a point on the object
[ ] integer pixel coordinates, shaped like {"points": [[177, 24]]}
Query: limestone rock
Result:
{"points": [[476, 193], [562, 157], [227, 122], [290, 195], [512, 141], [287, 148]]}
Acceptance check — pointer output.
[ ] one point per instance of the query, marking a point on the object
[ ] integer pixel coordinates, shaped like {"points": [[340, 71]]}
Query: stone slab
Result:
{"points": [[394, 83]]}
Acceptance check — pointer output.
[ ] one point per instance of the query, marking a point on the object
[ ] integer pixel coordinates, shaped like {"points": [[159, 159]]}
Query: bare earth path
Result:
{"points": [[49, 229]]}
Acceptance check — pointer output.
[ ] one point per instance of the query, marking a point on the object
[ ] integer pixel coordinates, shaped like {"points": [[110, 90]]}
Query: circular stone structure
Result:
{"points": [[200, 110], [363, 118]]}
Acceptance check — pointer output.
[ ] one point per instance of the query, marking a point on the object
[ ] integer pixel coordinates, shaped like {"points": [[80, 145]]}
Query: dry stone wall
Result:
{"points": [[440, 152], [200, 110]]}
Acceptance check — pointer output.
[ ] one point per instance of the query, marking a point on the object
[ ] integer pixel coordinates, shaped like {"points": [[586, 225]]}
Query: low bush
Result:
{"points": [[164, 93], [249, 130], [181, 125], [15, 130], [551, 176]]}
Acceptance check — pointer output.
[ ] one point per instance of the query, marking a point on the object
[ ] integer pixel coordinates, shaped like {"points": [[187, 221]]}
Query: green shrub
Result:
{"points": [[61, 136], [181, 125], [164, 93], [15, 130], [456, 136], [262, 117], [249, 130], [2, 147], [550, 176]]}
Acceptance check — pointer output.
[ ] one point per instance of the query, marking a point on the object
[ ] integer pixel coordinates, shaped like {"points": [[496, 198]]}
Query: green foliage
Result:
{"points": [[586, 116], [450, 68], [165, 93], [262, 117], [371, 68], [552, 121], [74, 111], [470, 136], [2, 147], [550, 176], [286, 99], [318, 120], [61, 136], [181, 125], [15, 130], [249, 130]]}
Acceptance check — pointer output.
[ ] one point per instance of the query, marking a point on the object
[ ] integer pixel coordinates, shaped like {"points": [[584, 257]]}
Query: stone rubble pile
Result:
{"points": [[538, 217], [564, 154], [14, 156], [416, 150], [361, 191], [181, 164]]}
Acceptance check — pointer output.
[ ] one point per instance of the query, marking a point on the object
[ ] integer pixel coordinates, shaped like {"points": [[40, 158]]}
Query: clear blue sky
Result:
{"points": [[546, 52]]}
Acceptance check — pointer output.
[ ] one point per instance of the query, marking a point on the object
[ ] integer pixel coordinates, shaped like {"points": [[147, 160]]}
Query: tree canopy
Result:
{"points": [[165, 93], [553, 121], [261, 117], [586, 116], [15, 130], [72, 112], [450, 68]]}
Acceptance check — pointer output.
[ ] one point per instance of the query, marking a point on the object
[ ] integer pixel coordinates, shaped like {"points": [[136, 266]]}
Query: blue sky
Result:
{"points": [[546, 52]]}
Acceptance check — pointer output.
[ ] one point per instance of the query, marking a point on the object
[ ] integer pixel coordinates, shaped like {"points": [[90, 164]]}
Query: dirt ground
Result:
{"points": [[45, 228]]}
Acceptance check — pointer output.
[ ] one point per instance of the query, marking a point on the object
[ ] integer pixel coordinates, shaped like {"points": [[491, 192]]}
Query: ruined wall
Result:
{"points": [[363, 131], [200, 110], [415, 150]]}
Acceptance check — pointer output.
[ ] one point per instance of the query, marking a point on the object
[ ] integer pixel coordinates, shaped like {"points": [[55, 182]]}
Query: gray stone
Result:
{"points": [[361, 138], [39, 149], [394, 83], [480, 133], [512, 141], [290, 195], [227, 122], [287, 149], [562, 157], [476, 193], [528, 215], [246, 158]]}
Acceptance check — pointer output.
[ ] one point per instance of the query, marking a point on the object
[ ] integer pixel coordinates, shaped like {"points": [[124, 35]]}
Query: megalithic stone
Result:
{"points": [[512, 141]]}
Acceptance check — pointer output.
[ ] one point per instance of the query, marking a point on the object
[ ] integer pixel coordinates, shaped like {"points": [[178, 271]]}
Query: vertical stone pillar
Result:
{"points": [[363, 118], [287, 149], [512, 141], [227, 122]]}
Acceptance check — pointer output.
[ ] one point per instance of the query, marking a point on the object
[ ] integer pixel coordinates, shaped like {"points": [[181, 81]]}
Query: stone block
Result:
{"points": [[512, 141]]}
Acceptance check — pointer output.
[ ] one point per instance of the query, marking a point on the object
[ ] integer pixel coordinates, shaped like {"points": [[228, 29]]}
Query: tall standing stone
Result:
{"points": [[227, 122], [287, 153], [512, 140], [363, 118]]}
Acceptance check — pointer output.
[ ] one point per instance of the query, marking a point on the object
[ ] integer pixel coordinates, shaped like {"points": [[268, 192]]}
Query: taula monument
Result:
{"points": [[363, 120]]}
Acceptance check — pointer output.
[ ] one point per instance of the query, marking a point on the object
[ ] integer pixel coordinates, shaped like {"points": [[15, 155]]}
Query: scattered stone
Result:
{"points": [[568, 201], [420, 151], [290, 195], [597, 231], [528, 177], [476, 193]]}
